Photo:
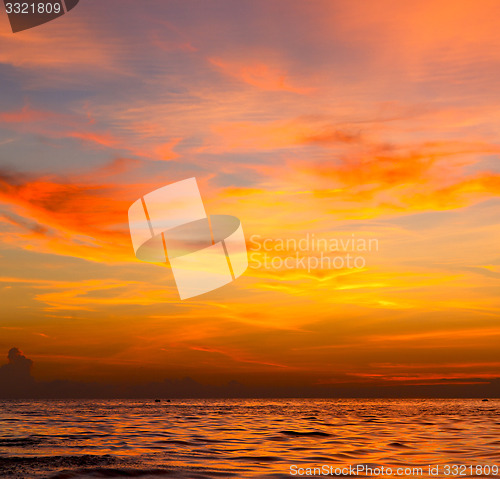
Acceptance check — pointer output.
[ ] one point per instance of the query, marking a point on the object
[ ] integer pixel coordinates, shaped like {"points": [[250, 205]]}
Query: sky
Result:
{"points": [[328, 119]]}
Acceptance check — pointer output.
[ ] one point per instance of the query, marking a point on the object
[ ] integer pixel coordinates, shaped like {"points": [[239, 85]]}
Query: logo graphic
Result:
{"points": [[25, 15], [205, 252]]}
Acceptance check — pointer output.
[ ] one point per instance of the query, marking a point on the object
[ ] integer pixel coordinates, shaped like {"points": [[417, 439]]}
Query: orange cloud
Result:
{"points": [[103, 139], [302, 155], [237, 356], [26, 115], [48, 49], [66, 216], [169, 46], [264, 136], [464, 193], [54, 125], [259, 75]]}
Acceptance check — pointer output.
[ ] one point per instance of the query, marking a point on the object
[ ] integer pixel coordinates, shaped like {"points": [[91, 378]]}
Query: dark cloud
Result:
{"points": [[10, 177], [15, 376], [35, 228], [16, 382]]}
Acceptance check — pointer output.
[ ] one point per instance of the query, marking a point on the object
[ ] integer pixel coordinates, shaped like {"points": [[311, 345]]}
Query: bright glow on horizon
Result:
{"points": [[324, 118]]}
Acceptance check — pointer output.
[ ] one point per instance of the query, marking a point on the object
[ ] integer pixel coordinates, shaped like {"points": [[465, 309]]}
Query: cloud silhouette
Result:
{"points": [[15, 376], [16, 382]]}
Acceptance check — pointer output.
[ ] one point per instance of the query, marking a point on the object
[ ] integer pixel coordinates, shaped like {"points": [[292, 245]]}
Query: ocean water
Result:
{"points": [[249, 438]]}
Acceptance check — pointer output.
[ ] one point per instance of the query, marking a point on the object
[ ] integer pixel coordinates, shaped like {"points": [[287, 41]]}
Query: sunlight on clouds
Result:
{"points": [[260, 75], [332, 120]]}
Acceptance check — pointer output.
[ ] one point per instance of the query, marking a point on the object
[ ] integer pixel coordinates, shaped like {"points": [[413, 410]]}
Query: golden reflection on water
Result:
{"points": [[245, 438]]}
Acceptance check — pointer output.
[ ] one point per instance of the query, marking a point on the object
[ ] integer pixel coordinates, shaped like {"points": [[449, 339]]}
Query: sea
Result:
{"points": [[250, 438]]}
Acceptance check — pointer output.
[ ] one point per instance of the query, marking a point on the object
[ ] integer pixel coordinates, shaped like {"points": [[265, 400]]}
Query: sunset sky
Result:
{"points": [[329, 118]]}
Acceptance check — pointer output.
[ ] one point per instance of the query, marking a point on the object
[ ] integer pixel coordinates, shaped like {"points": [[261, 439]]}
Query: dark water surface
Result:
{"points": [[245, 438]]}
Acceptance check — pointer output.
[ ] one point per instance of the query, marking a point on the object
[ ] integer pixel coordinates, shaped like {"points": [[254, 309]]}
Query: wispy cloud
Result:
{"points": [[325, 118]]}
